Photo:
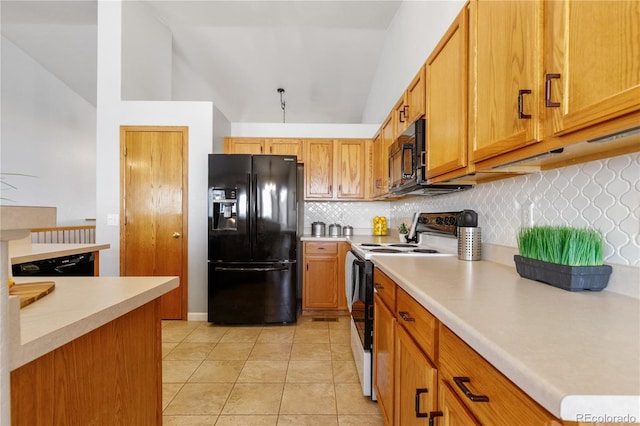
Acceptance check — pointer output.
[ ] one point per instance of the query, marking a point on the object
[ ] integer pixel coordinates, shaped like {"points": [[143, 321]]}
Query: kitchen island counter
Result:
{"points": [[572, 352], [89, 352], [77, 306]]}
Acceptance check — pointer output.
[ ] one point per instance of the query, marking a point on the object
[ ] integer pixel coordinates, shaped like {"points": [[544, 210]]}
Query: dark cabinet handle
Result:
{"points": [[405, 316], [378, 286], [521, 94], [460, 381], [401, 116], [433, 415], [419, 392], [406, 111], [547, 91]]}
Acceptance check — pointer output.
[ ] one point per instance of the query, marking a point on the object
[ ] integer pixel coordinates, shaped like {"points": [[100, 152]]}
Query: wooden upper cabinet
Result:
{"points": [[335, 169], [593, 62], [380, 159], [506, 69], [244, 146], [446, 94], [286, 147], [376, 166], [399, 121], [318, 171], [387, 139], [415, 98], [411, 105], [280, 146], [351, 168]]}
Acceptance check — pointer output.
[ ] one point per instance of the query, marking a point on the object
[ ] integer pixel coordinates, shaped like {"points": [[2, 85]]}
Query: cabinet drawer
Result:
{"points": [[321, 248], [420, 324], [385, 288], [506, 404]]}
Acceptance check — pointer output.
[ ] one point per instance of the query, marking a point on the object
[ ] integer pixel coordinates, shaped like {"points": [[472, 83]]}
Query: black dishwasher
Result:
{"points": [[80, 265]]}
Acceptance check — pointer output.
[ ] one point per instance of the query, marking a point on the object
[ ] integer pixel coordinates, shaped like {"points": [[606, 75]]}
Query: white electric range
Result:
{"points": [[431, 234], [436, 246]]}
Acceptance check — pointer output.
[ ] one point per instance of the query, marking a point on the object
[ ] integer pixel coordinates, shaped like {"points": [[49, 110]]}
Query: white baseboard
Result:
{"points": [[197, 316]]}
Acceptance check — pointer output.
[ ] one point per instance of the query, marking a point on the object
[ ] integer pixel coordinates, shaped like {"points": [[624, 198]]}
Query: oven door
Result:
{"points": [[359, 292], [360, 298]]}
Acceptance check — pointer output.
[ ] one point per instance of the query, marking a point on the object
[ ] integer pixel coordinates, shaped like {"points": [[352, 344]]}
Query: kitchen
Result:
{"points": [[590, 188]]}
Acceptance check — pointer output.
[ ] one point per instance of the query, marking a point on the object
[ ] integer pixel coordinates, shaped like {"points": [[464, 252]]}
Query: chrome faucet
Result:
{"points": [[412, 235]]}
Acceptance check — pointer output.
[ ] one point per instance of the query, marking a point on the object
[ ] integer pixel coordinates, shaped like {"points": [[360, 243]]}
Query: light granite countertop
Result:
{"points": [[572, 352], [22, 253], [76, 306]]}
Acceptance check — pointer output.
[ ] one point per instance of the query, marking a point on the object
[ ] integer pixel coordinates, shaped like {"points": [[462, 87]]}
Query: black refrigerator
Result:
{"points": [[254, 207]]}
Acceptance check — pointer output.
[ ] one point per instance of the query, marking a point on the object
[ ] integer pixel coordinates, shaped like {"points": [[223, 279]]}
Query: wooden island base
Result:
{"points": [[109, 376]]}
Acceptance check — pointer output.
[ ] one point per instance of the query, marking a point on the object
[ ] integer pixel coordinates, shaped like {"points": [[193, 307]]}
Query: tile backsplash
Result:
{"points": [[602, 194]]}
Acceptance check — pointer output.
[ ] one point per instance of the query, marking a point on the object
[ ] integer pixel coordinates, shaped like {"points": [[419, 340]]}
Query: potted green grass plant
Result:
{"points": [[565, 257]]}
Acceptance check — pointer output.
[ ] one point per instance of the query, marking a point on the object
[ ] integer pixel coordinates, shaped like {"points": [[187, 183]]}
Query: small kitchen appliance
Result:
{"points": [[407, 165]]}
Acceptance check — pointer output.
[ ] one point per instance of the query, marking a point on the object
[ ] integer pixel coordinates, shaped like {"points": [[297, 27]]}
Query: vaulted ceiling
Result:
{"points": [[323, 53]]}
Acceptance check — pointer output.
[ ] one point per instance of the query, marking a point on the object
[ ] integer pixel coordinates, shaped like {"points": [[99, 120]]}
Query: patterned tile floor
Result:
{"points": [[301, 374]]}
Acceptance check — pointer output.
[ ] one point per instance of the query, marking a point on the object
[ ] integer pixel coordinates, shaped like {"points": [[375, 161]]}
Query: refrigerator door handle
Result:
{"points": [[254, 269]]}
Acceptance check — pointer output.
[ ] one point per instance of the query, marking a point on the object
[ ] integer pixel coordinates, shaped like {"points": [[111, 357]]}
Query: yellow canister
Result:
{"points": [[379, 225]]}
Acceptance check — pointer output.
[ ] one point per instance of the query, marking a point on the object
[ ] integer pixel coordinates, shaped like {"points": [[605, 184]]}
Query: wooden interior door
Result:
{"points": [[153, 219]]}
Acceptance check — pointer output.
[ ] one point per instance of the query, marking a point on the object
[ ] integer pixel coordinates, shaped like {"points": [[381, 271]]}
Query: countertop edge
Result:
{"points": [[23, 353], [35, 251]]}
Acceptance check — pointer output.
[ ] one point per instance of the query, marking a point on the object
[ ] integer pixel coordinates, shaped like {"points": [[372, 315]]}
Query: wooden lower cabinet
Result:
{"points": [[488, 394], [416, 381], [323, 276], [452, 412], [431, 366], [109, 376]]}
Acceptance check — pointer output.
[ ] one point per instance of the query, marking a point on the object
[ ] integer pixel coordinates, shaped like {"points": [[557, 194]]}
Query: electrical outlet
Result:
{"points": [[526, 215]]}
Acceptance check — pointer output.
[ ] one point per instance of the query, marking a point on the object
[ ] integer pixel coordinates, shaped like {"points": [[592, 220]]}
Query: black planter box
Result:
{"points": [[572, 278]]}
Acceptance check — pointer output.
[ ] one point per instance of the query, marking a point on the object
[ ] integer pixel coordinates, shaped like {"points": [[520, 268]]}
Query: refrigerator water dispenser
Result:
{"points": [[224, 209]]}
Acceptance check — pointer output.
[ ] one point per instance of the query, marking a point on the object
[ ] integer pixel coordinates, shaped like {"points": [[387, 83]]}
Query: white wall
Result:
{"points": [[112, 113], [415, 30], [48, 131], [146, 55], [221, 128]]}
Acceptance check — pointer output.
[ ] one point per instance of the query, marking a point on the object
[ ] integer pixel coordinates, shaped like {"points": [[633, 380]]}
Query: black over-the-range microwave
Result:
{"points": [[407, 165]]}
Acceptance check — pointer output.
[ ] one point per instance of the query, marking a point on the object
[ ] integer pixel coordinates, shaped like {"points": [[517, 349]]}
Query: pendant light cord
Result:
{"points": [[283, 104]]}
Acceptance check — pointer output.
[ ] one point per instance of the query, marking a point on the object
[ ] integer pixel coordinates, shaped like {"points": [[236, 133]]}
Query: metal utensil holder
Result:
{"points": [[469, 243]]}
